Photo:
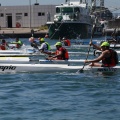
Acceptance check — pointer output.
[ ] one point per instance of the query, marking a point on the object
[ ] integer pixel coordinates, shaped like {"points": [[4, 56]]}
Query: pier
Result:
{"points": [[22, 32]]}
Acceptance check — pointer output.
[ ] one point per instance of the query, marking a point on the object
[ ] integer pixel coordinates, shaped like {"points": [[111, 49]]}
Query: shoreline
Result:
{"points": [[22, 32]]}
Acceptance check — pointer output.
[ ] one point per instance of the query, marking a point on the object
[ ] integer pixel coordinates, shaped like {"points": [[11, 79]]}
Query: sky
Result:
{"points": [[108, 3]]}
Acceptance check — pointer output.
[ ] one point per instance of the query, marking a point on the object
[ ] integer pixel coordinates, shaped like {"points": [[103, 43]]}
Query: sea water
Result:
{"points": [[59, 96]]}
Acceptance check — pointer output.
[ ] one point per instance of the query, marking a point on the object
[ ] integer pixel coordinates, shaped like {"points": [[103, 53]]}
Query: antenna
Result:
{"points": [[102, 3], [36, 3], [80, 1], [93, 2]]}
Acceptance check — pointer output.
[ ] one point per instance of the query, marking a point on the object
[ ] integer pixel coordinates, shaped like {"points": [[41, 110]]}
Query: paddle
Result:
{"points": [[93, 29]]}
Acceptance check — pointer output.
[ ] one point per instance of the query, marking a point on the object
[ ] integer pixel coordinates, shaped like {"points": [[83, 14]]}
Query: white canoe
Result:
{"points": [[86, 46], [18, 53], [53, 68], [24, 60]]}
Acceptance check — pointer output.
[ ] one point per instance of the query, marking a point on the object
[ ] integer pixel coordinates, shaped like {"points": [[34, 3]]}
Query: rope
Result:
{"points": [[56, 30]]}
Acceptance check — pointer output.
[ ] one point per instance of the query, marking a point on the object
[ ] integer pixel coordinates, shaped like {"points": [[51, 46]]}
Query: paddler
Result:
{"points": [[60, 54], [44, 46], [34, 43], [18, 43], [108, 56], [66, 41]]}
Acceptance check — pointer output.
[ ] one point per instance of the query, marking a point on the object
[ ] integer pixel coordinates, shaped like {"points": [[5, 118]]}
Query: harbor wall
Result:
{"points": [[22, 32]]}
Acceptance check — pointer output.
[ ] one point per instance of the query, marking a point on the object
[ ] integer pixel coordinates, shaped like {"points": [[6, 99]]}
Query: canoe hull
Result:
{"points": [[53, 68], [42, 68]]}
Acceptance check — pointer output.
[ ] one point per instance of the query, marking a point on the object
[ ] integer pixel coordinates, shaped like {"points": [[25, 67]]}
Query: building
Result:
{"points": [[26, 16]]}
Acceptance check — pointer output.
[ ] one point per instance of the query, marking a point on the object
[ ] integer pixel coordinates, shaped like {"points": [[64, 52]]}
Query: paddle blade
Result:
{"points": [[80, 71]]}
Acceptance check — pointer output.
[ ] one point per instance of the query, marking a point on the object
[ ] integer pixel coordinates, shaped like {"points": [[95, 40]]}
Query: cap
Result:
{"points": [[105, 44], [42, 40], [58, 43]]}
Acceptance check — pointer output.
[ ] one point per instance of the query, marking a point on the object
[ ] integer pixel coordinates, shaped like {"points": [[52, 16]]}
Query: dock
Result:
{"points": [[22, 32]]}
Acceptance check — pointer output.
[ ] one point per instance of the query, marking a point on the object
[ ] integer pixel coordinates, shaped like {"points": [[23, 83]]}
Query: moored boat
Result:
{"points": [[72, 19]]}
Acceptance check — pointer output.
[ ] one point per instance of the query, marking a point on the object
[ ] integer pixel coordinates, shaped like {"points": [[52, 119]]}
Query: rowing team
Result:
{"points": [[108, 56], [5, 45], [34, 43]]}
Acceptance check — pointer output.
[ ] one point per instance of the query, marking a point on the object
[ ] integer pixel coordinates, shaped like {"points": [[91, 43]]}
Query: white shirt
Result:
{"points": [[44, 47]]}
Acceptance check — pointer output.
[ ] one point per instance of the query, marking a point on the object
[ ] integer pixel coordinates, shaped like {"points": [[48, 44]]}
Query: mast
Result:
{"points": [[101, 3], [80, 1], [93, 3], [67, 1]]}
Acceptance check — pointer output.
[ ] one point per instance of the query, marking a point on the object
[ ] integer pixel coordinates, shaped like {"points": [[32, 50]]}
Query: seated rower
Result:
{"points": [[44, 46], [18, 43], [4, 45], [66, 41], [108, 56], [34, 43], [60, 54]]}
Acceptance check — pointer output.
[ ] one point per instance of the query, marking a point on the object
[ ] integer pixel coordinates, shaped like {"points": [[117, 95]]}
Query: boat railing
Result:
{"points": [[72, 17]]}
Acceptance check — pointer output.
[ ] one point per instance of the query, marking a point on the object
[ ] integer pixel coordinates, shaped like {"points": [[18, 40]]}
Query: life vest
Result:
{"points": [[3, 46], [48, 46], [67, 42], [112, 60], [19, 44], [64, 56]]}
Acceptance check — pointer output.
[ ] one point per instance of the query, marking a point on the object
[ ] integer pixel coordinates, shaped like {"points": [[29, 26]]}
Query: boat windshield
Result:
{"points": [[64, 10], [67, 10]]}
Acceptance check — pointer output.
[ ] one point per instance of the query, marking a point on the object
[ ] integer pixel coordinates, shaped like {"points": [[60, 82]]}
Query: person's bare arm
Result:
{"points": [[104, 54], [95, 46]]}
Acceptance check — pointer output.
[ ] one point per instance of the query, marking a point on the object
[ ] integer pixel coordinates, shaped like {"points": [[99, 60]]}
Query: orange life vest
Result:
{"points": [[110, 61], [67, 42], [3, 46], [64, 56]]}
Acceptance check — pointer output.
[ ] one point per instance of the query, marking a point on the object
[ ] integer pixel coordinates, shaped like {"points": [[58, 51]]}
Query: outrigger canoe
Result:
{"points": [[31, 52], [53, 68], [23, 60]]}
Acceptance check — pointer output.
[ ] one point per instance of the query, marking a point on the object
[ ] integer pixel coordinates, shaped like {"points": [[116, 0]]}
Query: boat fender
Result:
{"points": [[18, 25]]}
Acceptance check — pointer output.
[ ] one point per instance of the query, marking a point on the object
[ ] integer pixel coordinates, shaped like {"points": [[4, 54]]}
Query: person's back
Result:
{"points": [[66, 41], [111, 60], [45, 47], [34, 43]]}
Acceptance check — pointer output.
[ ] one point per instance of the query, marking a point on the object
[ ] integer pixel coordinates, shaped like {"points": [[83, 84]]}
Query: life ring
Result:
{"points": [[18, 25]]}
